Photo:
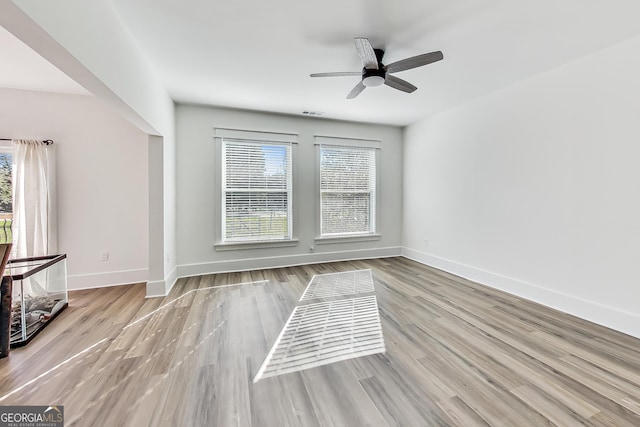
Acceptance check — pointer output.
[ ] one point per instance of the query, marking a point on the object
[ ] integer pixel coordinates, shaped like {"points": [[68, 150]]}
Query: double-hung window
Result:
{"points": [[256, 190], [347, 190]]}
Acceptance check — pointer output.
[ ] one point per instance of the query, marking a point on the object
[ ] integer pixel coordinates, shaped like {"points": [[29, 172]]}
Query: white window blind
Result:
{"points": [[347, 190], [256, 190]]}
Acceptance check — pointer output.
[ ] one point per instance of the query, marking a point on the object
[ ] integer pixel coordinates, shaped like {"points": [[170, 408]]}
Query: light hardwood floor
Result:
{"points": [[458, 353]]}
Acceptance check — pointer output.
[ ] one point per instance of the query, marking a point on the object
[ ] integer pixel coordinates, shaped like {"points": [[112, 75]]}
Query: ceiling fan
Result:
{"points": [[375, 73]]}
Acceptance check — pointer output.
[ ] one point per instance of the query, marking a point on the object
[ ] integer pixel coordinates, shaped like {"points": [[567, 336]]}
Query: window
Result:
{"points": [[347, 191], [256, 191], [6, 191]]}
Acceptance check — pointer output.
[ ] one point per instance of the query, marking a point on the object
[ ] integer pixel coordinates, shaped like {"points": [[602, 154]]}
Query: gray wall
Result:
{"points": [[199, 208]]}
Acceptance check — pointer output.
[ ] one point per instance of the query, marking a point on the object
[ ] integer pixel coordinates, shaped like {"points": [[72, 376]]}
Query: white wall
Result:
{"points": [[98, 42], [198, 209], [102, 171], [88, 41], [534, 189]]}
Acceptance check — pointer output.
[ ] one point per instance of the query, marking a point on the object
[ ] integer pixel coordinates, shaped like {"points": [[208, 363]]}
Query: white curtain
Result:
{"points": [[34, 221]]}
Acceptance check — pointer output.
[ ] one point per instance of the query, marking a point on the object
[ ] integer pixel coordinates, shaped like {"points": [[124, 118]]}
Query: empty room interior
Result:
{"points": [[365, 213]]}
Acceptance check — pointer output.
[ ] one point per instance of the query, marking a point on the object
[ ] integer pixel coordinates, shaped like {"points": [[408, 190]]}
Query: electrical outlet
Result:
{"points": [[426, 243], [104, 256]]}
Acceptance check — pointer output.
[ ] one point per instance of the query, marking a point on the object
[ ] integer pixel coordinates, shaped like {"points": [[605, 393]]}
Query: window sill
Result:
{"points": [[347, 239], [263, 244]]}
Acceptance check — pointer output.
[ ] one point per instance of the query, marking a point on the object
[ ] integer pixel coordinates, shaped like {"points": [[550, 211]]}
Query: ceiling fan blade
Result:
{"points": [[414, 61], [337, 74], [396, 83], [356, 90], [366, 53]]}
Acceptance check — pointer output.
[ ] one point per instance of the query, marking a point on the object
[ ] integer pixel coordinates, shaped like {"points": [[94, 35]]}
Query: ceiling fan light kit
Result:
{"points": [[373, 81], [375, 73]]}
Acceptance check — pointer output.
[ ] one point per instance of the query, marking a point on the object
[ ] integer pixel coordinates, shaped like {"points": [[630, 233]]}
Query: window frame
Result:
{"points": [[346, 143], [259, 138]]}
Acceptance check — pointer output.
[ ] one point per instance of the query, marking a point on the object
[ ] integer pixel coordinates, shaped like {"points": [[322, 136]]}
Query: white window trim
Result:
{"points": [[340, 141], [347, 239], [256, 136], [346, 142], [255, 244]]}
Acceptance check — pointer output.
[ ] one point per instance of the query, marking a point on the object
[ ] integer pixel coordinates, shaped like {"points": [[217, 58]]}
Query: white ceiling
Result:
{"points": [[23, 68], [257, 54]]}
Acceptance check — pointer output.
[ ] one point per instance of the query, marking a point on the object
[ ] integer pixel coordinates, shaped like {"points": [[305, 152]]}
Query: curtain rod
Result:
{"points": [[46, 141]]}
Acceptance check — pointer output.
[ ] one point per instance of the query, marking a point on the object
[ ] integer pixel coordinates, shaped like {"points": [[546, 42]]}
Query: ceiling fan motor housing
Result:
{"points": [[379, 54], [373, 77]]}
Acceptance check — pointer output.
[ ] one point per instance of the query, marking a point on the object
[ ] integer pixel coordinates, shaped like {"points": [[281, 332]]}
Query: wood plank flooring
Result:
{"points": [[458, 353]]}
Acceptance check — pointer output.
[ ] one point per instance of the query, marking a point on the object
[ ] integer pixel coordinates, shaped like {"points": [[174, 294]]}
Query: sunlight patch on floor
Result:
{"points": [[338, 284], [325, 332]]}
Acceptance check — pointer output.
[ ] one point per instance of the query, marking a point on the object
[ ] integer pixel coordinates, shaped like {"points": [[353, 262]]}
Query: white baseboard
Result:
{"points": [[102, 280], [189, 270], [611, 317], [171, 280], [161, 288], [156, 288]]}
